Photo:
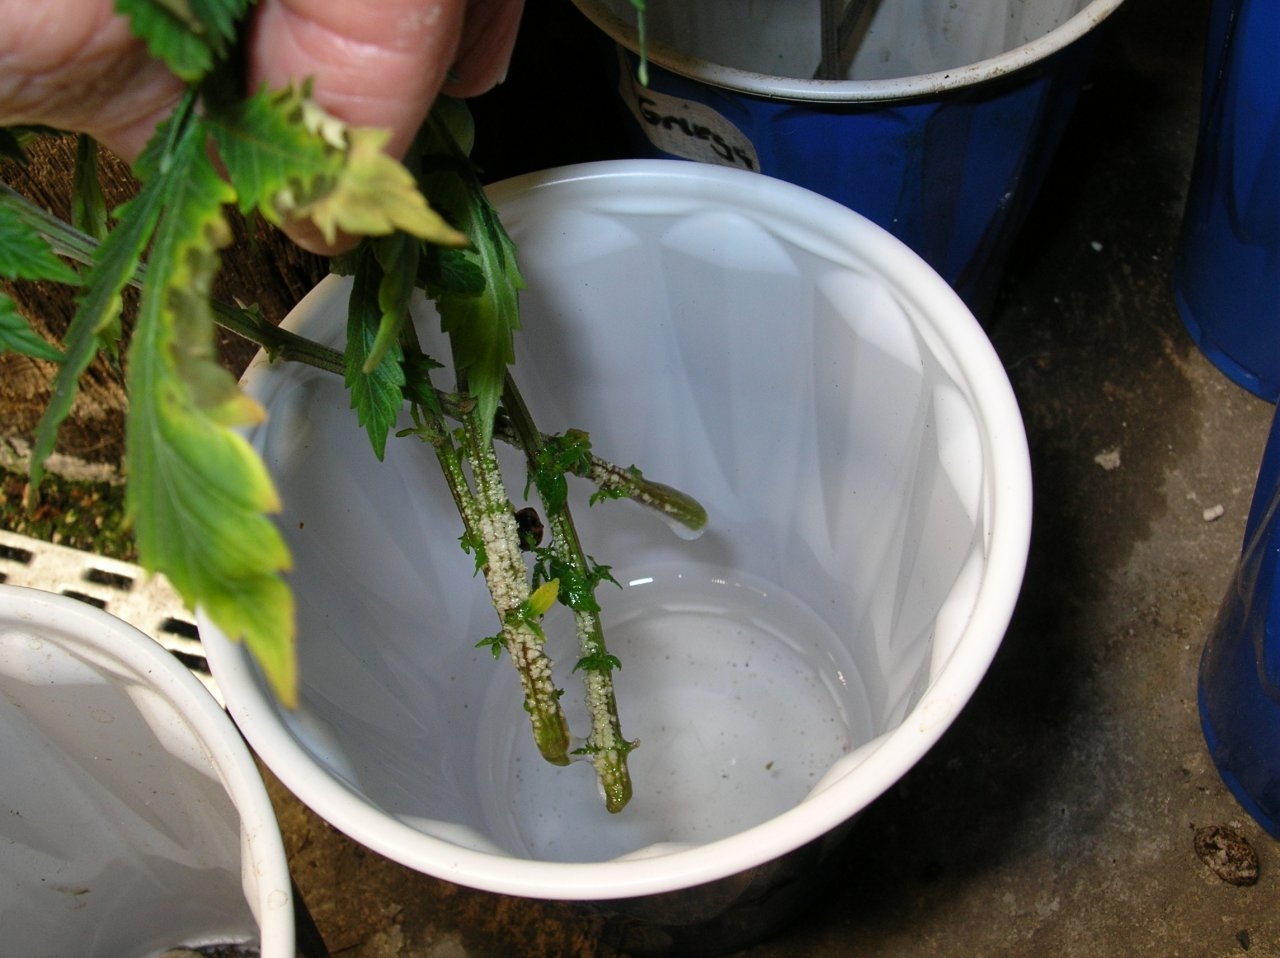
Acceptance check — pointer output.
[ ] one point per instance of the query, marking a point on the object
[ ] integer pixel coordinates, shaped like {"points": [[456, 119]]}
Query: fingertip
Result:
{"points": [[374, 63]]}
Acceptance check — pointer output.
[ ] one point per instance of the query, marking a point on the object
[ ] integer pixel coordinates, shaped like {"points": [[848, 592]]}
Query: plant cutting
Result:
{"points": [[199, 500], [859, 453], [847, 427]]}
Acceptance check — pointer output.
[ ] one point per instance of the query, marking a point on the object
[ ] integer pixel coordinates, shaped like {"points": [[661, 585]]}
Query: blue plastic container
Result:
{"points": [[1240, 669], [942, 134], [1227, 272]]}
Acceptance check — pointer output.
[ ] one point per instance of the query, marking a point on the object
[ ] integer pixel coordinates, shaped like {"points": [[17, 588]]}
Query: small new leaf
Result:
{"points": [[577, 590], [570, 452], [598, 661], [473, 544], [607, 493], [494, 644], [376, 385], [274, 160], [374, 195], [543, 598], [480, 326]]}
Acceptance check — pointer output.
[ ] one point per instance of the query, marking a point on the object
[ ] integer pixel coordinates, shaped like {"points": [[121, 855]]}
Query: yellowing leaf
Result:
{"points": [[197, 493], [544, 597], [375, 195], [274, 158], [289, 158]]}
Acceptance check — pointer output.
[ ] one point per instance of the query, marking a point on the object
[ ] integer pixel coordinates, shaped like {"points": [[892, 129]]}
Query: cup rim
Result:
{"points": [[623, 32], [59, 617], [1008, 528]]}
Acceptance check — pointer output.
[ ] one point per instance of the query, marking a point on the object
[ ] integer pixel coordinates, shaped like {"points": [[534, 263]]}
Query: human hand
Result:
{"points": [[73, 64]]}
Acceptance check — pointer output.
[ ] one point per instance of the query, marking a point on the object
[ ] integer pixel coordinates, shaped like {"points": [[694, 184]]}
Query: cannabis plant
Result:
{"points": [[198, 497]]}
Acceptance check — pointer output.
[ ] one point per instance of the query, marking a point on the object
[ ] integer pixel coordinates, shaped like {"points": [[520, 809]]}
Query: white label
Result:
{"points": [[685, 128]]}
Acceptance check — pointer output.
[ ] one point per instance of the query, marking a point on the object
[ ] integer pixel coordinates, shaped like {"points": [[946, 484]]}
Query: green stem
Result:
{"points": [[611, 479], [64, 238], [490, 529], [642, 36], [606, 746], [505, 573], [280, 344], [616, 482]]}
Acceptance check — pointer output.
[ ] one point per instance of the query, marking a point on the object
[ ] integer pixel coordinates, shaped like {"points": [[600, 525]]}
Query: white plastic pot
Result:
{"points": [[910, 48], [941, 130], [134, 819], [853, 436]]}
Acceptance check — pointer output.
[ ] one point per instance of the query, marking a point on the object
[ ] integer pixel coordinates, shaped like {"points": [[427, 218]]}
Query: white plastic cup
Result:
{"points": [[134, 819], [856, 443]]}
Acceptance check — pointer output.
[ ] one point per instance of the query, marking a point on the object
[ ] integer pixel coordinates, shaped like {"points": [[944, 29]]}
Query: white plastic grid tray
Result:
{"points": [[147, 602]]}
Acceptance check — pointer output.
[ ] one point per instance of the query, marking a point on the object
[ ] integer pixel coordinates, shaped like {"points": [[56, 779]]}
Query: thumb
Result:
{"points": [[380, 62]]}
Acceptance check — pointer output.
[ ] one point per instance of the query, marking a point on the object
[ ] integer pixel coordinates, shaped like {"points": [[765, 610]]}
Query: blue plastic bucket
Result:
{"points": [[941, 134], [1240, 669], [1227, 273]]}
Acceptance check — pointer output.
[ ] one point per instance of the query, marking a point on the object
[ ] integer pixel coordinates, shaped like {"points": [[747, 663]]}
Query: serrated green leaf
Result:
{"points": [[287, 157], [598, 661], [272, 159], [481, 327], [88, 204], [377, 396], [17, 336], [25, 255], [418, 389], [197, 493], [96, 322], [577, 591], [397, 255], [190, 36], [443, 270]]}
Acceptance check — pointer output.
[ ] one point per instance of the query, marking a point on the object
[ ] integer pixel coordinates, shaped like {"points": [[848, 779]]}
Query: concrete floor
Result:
{"points": [[1056, 816]]}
